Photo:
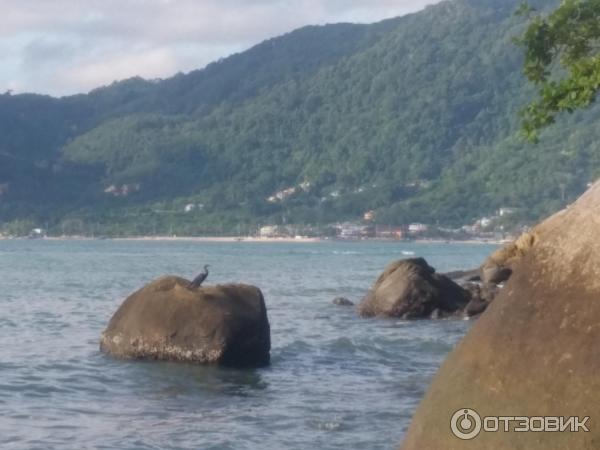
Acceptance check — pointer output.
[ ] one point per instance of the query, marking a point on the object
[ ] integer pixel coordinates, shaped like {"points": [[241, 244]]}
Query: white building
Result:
{"points": [[271, 231], [415, 228], [506, 211], [484, 222], [281, 195]]}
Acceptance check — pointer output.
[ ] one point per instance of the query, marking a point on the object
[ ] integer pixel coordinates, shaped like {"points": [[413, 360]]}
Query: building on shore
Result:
{"points": [[418, 228], [354, 231], [274, 231], [389, 232], [502, 212], [37, 233]]}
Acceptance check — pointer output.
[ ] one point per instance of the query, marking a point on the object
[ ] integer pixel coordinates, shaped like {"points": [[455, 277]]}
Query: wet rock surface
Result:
{"points": [[168, 320], [410, 289]]}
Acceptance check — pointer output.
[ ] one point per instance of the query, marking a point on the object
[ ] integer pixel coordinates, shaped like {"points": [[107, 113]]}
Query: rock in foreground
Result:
{"points": [[410, 289], [166, 320], [535, 350]]}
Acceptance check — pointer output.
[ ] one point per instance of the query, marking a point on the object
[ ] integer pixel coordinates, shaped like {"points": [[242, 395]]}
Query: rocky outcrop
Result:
{"points": [[342, 301], [498, 267], [464, 276], [535, 350], [482, 296], [495, 274], [410, 289], [168, 320]]}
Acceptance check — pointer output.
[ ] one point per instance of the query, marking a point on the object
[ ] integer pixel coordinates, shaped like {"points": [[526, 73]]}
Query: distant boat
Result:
{"points": [[408, 253]]}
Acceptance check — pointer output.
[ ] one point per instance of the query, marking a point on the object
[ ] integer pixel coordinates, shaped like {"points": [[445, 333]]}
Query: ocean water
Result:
{"points": [[335, 382]]}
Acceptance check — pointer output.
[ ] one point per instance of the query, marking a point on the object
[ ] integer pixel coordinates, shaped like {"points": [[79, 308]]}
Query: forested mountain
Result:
{"points": [[415, 117]]}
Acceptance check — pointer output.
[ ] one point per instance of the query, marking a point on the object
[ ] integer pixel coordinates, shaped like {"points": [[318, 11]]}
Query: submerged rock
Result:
{"points": [[410, 289], [168, 320], [342, 301], [535, 350]]}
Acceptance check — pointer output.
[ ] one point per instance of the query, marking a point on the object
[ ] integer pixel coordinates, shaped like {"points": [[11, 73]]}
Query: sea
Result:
{"points": [[336, 381]]}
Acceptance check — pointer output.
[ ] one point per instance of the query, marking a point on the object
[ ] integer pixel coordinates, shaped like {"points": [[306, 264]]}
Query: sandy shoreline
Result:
{"points": [[219, 239], [283, 240]]}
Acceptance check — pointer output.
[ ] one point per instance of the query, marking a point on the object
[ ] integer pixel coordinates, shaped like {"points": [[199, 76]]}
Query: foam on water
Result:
{"points": [[336, 381]]}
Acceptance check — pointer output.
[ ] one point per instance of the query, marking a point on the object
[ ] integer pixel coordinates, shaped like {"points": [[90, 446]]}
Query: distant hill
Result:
{"points": [[414, 117]]}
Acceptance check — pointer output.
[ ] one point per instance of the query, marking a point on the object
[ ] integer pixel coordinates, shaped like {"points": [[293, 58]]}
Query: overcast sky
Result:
{"points": [[63, 47]]}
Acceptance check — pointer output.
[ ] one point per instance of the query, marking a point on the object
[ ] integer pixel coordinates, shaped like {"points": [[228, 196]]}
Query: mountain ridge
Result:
{"points": [[404, 117]]}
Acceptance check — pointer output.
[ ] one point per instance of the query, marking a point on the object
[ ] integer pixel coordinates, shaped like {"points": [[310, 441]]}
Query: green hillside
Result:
{"points": [[415, 117]]}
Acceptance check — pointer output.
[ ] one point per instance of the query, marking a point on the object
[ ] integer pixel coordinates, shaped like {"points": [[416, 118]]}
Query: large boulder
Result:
{"points": [[497, 268], [168, 320], [534, 352], [410, 289]]}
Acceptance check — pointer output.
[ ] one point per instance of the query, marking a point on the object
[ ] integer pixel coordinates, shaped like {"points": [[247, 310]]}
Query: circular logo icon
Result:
{"points": [[465, 424]]}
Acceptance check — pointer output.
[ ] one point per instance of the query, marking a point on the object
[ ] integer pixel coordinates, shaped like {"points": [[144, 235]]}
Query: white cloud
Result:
{"points": [[68, 46], [153, 63]]}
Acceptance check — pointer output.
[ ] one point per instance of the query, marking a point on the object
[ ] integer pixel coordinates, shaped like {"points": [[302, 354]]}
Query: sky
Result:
{"points": [[63, 47]]}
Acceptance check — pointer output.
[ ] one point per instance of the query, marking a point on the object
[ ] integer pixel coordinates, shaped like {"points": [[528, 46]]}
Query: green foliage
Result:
{"points": [[18, 228], [562, 60], [414, 117]]}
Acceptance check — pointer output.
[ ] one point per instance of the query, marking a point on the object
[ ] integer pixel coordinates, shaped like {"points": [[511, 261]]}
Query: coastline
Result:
{"points": [[246, 239], [221, 239]]}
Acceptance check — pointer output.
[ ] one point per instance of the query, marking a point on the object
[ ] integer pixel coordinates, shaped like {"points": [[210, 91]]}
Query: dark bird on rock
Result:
{"points": [[200, 278]]}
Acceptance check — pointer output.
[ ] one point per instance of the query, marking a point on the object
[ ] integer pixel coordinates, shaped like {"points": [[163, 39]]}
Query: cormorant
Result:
{"points": [[200, 278]]}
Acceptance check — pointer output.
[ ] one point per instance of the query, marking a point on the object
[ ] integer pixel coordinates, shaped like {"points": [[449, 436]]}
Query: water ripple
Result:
{"points": [[336, 381]]}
